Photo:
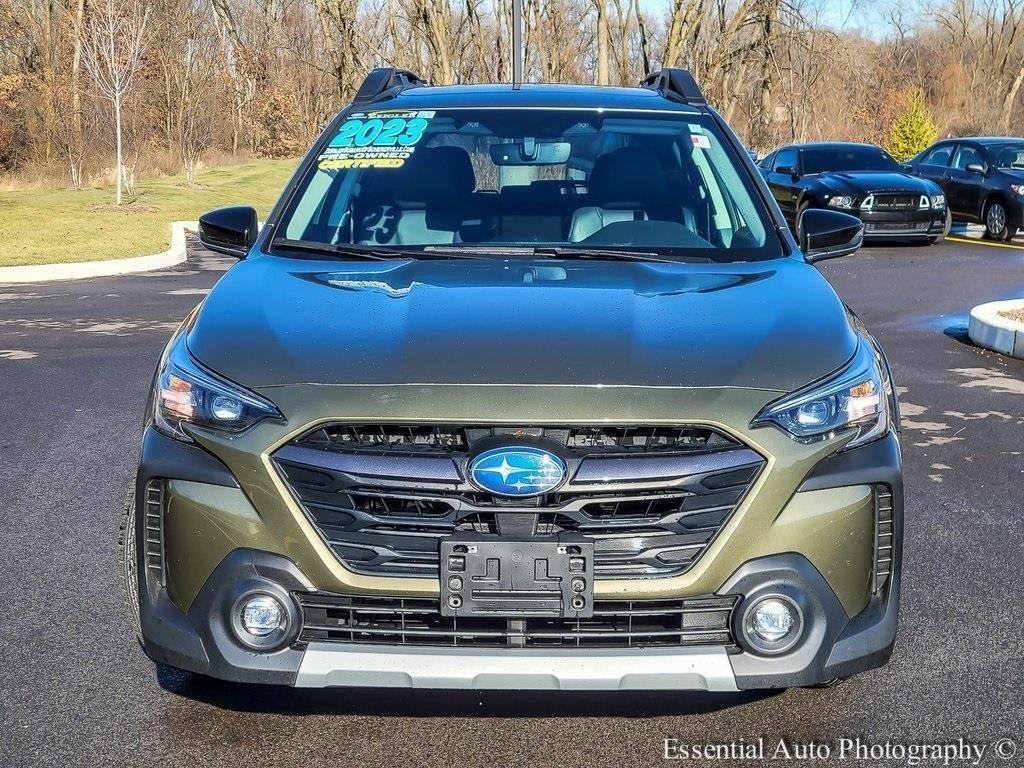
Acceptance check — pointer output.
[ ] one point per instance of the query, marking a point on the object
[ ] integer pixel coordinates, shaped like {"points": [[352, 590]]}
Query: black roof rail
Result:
{"points": [[676, 84], [384, 79]]}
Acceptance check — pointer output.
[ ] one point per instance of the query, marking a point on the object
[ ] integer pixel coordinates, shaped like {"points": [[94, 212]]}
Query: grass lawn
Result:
{"points": [[42, 226]]}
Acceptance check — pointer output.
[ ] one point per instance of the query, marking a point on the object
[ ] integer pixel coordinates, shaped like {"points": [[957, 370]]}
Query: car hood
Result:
{"points": [[863, 182], [275, 321]]}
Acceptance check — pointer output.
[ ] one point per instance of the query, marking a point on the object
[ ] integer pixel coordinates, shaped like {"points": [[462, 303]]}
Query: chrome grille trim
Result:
{"points": [[639, 470], [441, 470]]}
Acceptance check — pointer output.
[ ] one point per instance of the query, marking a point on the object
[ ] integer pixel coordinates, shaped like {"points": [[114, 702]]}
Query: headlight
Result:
{"points": [[938, 201], [841, 201], [187, 393], [1017, 188], [856, 398]]}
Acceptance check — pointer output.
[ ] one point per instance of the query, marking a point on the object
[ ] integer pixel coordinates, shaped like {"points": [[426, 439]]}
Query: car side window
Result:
{"points": [[786, 158], [767, 162], [967, 155], [938, 155]]}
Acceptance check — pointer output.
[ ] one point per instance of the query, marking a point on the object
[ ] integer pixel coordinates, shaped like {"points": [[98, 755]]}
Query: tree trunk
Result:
{"points": [[1008, 102], [77, 139], [119, 172], [602, 42]]}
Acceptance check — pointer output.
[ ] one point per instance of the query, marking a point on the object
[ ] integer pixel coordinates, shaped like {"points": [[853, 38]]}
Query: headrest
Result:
{"points": [[628, 178], [434, 174]]}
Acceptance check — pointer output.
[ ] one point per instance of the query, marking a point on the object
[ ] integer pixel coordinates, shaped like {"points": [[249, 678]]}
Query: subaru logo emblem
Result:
{"points": [[517, 471]]}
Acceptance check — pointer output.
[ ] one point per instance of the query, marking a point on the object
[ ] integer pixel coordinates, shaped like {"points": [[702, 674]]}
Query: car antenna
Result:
{"points": [[517, 44]]}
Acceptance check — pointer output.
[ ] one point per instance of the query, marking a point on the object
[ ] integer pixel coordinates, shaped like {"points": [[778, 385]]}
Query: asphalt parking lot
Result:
{"points": [[75, 690]]}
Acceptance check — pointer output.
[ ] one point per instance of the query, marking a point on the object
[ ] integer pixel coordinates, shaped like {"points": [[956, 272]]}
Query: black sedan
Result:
{"points": [[983, 180], [860, 179]]}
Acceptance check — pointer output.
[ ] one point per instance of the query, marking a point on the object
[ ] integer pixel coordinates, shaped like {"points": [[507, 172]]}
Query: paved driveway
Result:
{"points": [[75, 364]]}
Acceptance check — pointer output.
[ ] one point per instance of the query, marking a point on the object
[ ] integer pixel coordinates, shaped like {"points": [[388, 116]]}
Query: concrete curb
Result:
{"points": [[991, 330], [40, 273]]}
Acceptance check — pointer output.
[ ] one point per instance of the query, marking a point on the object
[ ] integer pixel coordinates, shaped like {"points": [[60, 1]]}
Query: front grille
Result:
{"points": [[883, 536], [153, 509], [896, 202], [615, 624], [651, 498], [897, 227]]}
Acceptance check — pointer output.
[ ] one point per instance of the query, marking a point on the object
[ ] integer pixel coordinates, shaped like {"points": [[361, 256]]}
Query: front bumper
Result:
{"points": [[327, 664], [195, 634]]}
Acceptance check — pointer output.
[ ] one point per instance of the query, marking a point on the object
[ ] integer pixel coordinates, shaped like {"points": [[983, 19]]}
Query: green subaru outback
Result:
{"points": [[521, 387]]}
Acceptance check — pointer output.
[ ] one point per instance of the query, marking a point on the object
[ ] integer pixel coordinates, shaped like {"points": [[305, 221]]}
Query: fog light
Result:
{"points": [[772, 620], [262, 615], [772, 624]]}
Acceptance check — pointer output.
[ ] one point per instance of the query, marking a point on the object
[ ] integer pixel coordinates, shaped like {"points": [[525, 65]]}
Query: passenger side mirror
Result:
{"points": [[828, 234], [980, 168], [231, 231]]}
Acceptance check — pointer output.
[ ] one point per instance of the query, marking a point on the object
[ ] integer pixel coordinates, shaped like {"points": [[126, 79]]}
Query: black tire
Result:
{"points": [[945, 229], [830, 683], [801, 207], [997, 226], [128, 564]]}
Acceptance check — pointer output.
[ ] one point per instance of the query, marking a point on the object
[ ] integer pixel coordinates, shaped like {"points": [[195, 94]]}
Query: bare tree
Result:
{"points": [[112, 52], [603, 34]]}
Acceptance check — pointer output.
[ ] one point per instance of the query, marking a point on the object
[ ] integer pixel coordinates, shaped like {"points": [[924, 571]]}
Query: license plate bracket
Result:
{"points": [[517, 577]]}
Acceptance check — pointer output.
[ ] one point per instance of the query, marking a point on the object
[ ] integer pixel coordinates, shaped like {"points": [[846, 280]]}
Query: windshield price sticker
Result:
{"points": [[700, 141], [378, 139]]}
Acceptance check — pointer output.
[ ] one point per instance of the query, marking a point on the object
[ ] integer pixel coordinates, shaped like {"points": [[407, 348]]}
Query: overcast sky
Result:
{"points": [[870, 17]]}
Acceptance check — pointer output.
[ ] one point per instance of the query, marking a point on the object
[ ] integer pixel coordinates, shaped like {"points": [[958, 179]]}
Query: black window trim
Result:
{"points": [[953, 145], [968, 145]]}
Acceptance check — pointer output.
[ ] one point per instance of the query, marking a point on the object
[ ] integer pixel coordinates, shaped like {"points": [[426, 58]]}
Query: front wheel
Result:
{"points": [[997, 222]]}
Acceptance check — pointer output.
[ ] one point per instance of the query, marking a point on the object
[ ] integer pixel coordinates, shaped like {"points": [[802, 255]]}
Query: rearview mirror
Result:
{"points": [[231, 231], [977, 168], [828, 234], [531, 152]]}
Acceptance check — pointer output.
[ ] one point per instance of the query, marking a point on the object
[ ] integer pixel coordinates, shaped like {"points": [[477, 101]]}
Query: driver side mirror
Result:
{"points": [[979, 168], [788, 170], [828, 234], [231, 231]]}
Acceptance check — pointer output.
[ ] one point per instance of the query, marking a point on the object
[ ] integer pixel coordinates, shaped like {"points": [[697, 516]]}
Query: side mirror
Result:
{"points": [[980, 168], [788, 170], [828, 234], [231, 231]]}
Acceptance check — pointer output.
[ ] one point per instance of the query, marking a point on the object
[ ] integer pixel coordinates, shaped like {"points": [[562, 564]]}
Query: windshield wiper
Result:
{"points": [[557, 252], [354, 251], [368, 253]]}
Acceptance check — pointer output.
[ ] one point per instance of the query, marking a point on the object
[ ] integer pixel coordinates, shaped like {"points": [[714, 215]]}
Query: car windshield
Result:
{"points": [[494, 181], [1008, 156], [847, 159]]}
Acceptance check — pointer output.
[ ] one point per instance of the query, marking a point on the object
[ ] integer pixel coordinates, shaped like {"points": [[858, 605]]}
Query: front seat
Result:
{"points": [[433, 193], [628, 184]]}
